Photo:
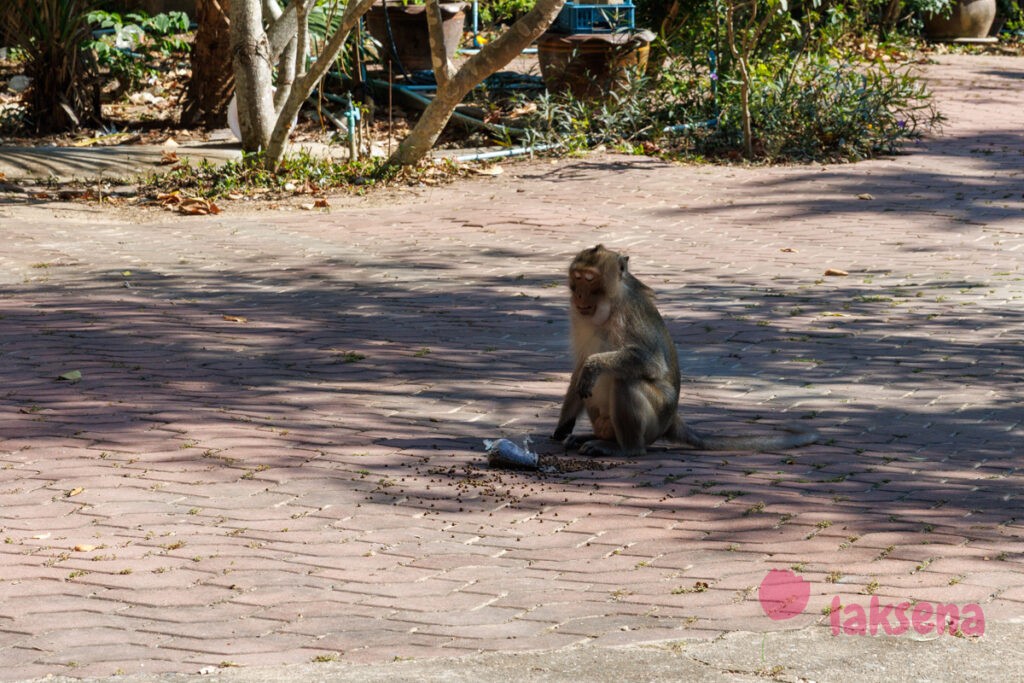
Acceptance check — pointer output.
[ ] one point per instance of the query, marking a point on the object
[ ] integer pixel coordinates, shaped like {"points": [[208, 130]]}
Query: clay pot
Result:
{"points": [[410, 32], [591, 65], [970, 19]]}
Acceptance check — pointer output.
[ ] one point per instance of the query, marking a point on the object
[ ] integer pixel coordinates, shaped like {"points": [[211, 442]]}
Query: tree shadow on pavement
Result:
{"points": [[911, 405], [937, 191]]}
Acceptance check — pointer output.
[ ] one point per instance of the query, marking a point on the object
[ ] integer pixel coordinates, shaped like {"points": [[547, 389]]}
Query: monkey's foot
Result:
{"points": [[575, 441], [608, 449]]}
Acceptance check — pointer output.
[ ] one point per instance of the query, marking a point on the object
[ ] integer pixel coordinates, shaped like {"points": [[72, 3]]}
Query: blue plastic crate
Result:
{"points": [[575, 18]]}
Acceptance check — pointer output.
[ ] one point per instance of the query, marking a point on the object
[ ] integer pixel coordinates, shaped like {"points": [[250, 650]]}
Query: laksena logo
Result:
{"points": [[784, 594]]}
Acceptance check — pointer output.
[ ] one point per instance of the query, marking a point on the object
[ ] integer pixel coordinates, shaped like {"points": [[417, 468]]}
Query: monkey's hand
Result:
{"points": [[588, 376], [564, 429]]}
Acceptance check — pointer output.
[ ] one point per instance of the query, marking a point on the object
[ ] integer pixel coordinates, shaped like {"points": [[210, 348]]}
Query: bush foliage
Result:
{"points": [[51, 35], [765, 79], [770, 80]]}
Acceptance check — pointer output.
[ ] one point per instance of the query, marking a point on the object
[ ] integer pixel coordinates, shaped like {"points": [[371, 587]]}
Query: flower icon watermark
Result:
{"points": [[783, 594]]}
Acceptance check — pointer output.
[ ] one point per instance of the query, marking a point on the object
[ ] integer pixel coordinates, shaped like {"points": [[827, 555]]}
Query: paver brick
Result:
{"points": [[323, 463]]}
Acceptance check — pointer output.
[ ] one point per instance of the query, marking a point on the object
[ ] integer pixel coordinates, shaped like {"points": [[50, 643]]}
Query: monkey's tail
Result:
{"points": [[797, 436]]}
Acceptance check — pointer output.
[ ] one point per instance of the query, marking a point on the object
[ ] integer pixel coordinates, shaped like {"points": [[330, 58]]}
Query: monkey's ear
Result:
{"points": [[597, 249], [623, 264]]}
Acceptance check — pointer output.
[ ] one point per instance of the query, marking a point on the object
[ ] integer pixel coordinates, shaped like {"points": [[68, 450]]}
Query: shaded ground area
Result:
{"points": [[274, 453], [117, 162]]}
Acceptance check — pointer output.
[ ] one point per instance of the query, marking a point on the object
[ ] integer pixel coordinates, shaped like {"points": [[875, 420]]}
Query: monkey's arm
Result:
{"points": [[572, 406], [628, 363]]}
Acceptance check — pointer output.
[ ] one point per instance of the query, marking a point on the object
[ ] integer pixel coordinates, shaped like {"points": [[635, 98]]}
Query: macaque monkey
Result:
{"points": [[626, 373]]}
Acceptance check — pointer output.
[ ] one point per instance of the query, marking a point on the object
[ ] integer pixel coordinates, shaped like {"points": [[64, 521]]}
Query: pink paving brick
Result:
{"points": [[260, 494]]}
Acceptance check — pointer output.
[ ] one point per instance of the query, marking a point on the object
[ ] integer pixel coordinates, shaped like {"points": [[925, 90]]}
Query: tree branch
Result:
{"points": [[286, 72], [304, 84], [272, 10], [282, 30], [443, 67], [491, 57]]}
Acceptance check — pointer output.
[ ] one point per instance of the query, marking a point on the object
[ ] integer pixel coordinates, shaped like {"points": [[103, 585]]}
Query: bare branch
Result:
{"points": [[491, 57], [282, 30], [443, 68], [271, 10], [301, 35], [304, 84], [286, 72]]}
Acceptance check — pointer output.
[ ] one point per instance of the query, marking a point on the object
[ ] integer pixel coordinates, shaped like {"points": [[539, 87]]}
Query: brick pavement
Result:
{"points": [[310, 483]]}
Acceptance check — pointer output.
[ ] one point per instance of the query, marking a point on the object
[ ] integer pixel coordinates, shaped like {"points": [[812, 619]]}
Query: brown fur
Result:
{"points": [[626, 370]]}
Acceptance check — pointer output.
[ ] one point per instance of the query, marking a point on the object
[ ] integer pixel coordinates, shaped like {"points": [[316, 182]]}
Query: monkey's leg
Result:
{"points": [[633, 418], [598, 405], [603, 431], [574, 441]]}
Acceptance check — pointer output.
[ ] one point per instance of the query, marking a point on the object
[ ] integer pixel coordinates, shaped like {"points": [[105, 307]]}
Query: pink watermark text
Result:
{"points": [[895, 620]]}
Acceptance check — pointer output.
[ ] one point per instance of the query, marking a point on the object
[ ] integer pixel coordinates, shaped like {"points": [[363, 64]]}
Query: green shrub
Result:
{"points": [[137, 44], [64, 91], [1013, 12], [824, 110], [250, 173], [785, 74], [64, 60], [494, 13]]}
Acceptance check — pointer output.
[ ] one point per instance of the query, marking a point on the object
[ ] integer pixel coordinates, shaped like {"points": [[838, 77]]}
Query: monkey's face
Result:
{"points": [[589, 295]]}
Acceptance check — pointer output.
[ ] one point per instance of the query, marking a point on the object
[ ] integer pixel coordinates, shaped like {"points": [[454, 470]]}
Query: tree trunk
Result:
{"points": [[252, 53], [890, 17], [252, 68], [439, 62], [741, 52], [209, 91], [492, 56], [748, 131]]}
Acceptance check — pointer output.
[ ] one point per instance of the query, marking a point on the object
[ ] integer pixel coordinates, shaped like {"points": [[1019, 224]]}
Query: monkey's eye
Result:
{"points": [[597, 292]]}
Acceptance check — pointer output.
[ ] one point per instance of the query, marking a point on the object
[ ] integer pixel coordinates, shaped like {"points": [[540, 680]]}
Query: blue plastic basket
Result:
{"points": [[575, 18]]}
